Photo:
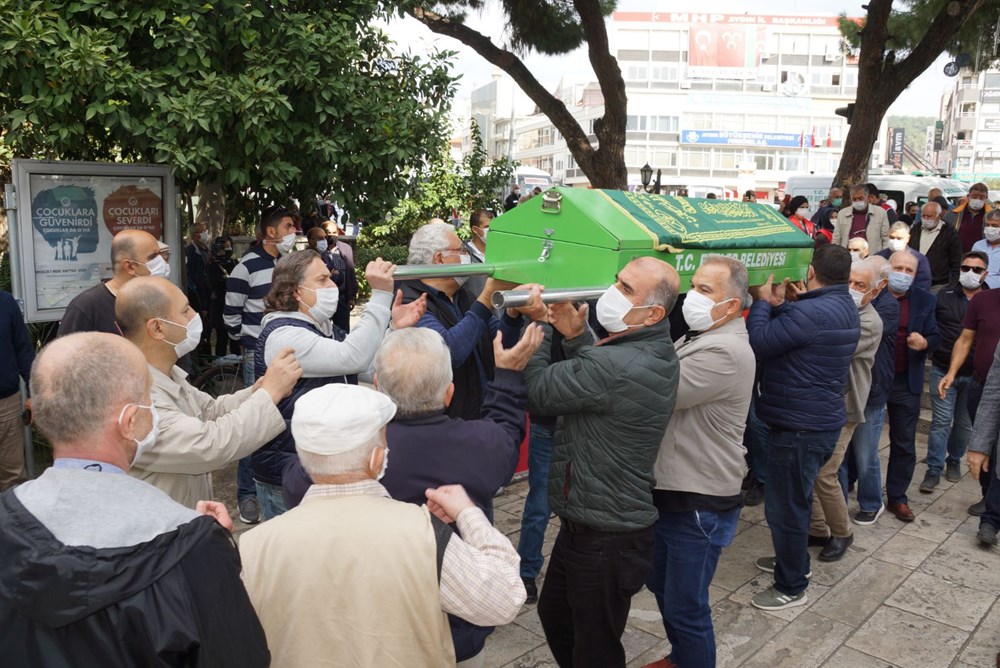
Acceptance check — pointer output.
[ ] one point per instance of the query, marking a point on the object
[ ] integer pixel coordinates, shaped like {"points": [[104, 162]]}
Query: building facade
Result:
{"points": [[738, 101], [969, 146]]}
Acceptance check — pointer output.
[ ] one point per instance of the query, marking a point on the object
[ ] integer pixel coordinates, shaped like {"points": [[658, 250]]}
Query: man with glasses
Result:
{"points": [[979, 337], [990, 245], [133, 253], [464, 320], [950, 422]]}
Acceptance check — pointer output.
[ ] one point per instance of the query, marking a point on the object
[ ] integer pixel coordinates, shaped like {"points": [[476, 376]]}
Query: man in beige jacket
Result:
{"points": [[351, 577], [198, 434], [700, 466], [862, 219]]}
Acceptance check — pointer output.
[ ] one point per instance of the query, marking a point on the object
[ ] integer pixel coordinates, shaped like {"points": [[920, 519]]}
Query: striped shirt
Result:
{"points": [[480, 574], [247, 285]]}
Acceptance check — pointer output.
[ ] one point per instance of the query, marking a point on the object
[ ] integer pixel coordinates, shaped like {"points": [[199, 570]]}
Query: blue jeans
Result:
{"points": [[271, 499], [685, 555], [863, 450], [950, 424], [535, 517], [755, 440], [903, 410], [794, 459], [244, 471]]}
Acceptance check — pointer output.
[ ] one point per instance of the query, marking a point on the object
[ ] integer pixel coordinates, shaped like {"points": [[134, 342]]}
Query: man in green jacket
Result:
{"points": [[613, 399]]}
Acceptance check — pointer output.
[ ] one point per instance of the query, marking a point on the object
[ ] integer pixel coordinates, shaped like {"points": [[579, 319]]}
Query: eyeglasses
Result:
{"points": [[975, 270], [460, 251]]}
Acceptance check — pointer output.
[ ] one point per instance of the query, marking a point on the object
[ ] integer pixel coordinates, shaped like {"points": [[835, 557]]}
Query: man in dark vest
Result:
{"points": [[465, 321]]}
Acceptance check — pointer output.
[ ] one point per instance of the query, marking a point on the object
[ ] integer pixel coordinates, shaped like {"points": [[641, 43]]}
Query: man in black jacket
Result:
{"points": [[938, 241], [98, 568]]}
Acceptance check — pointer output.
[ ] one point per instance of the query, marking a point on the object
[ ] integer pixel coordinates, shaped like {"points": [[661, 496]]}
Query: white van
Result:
{"points": [[902, 188]]}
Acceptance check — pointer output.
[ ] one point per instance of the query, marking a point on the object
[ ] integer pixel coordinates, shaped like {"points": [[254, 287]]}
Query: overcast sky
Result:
{"points": [[922, 98]]}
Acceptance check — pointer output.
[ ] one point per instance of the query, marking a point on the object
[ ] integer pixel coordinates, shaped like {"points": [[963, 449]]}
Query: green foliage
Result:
{"points": [[910, 20], [273, 100], [444, 188], [363, 255], [551, 27]]}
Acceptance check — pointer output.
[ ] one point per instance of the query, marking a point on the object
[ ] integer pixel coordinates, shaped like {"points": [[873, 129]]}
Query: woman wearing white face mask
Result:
{"points": [[899, 239], [300, 306]]}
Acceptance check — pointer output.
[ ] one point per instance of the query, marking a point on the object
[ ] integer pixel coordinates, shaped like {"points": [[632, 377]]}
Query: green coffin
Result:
{"points": [[574, 237]]}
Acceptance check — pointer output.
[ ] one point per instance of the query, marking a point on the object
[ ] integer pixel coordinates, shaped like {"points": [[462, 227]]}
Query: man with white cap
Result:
{"points": [[313, 573]]}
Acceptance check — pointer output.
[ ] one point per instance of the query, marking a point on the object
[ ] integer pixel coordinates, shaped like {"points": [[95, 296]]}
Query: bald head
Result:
{"points": [[904, 261], [144, 298], [933, 193], [80, 383], [653, 282], [131, 250]]}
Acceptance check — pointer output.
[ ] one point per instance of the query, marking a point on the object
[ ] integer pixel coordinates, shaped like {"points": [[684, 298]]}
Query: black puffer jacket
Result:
{"points": [[613, 400]]}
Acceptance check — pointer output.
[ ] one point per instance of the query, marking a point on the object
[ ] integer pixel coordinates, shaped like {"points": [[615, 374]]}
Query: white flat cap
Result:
{"points": [[162, 246], [336, 418]]}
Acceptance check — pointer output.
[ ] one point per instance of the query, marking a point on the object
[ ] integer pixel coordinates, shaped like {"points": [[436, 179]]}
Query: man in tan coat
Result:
{"points": [[862, 219], [830, 525], [198, 434], [351, 577]]}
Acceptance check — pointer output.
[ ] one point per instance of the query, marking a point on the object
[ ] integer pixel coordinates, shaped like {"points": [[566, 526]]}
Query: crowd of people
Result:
{"points": [[645, 446]]}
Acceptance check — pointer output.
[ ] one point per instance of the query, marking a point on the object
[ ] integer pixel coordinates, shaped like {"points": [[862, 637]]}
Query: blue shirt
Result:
{"points": [[993, 268]]}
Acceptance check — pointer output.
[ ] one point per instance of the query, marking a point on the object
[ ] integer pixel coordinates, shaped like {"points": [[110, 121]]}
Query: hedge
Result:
{"points": [[363, 255]]}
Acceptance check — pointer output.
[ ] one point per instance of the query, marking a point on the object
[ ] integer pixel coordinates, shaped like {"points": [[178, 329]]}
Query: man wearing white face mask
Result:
{"points": [[613, 399], [969, 216], [300, 306], [862, 219], [479, 225], [133, 253], [990, 244], [131, 577], [937, 240], [899, 239], [830, 524], [465, 320], [700, 465], [198, 433]]}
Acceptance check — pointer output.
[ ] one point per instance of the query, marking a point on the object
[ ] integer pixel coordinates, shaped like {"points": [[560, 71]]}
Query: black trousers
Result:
{"points": [[588, 591]]}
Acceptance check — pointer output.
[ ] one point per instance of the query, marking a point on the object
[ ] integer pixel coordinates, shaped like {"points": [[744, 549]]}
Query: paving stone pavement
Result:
{"points": [[918, 595]]}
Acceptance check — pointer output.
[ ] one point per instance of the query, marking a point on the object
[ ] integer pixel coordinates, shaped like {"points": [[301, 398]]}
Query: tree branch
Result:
{"points": [[609, 73], [939, 34], [551, 106]]}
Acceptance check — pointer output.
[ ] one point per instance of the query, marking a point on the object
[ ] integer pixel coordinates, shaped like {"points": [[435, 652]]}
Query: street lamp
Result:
{"points": [[646, 174]]}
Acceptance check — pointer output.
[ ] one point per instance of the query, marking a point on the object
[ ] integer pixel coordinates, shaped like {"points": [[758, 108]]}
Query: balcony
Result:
{"points": [[966, 122], [967, 94]]}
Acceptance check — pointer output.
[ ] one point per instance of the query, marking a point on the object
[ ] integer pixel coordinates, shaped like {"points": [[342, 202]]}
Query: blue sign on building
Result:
{"points": [[745, 138]]}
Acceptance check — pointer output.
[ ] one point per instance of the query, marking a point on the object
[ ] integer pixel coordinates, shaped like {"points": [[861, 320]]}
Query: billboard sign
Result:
{"points": [[721, 51], [896, 144], [742, 138], [938, 135], [67, 214], [991, 124]]}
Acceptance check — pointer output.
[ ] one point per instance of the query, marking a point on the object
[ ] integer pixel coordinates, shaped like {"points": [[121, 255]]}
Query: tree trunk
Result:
{"points": [[211, 207], [605, 166]]}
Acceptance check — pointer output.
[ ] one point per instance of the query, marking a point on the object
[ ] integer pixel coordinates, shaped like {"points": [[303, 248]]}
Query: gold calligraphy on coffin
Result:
{"points": [[679, 217]]}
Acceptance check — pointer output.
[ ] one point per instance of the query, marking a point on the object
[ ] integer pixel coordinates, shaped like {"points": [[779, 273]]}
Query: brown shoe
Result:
{"points": [[901, 511]]}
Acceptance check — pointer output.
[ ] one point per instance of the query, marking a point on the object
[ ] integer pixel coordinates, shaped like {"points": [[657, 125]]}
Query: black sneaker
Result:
{"points": [[930, 482], [532, 590], [864, 518], [978, 508], [754, 496], [987, 535], [953, 471], [249, 511]]}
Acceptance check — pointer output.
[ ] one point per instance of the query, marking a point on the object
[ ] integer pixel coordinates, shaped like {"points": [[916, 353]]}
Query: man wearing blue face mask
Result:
{"points": [[465, 320], [198, 433], [613, 399], [917, 336]]}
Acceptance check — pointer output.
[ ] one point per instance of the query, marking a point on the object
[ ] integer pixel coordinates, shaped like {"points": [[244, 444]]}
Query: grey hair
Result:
{"points": [[870, 265], [738, 284], [413, 367], [861, 187], [352, 461], [899, 226], [931, 203], [880, 266], [863, 241], [428, 240], [88, 379], [140, 300]]}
